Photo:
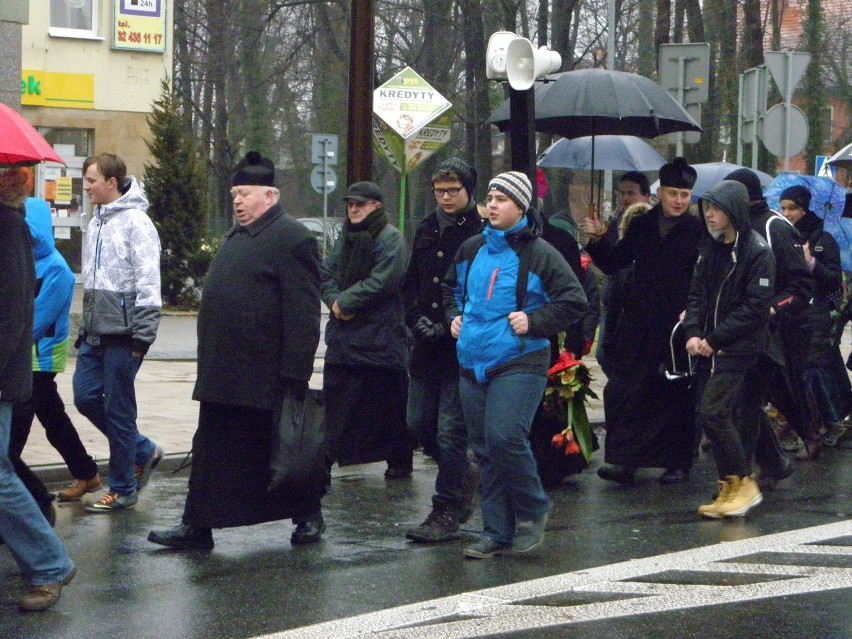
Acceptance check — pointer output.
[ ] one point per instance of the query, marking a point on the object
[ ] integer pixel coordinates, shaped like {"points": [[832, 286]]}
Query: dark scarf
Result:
{"points": [[356, 256]]}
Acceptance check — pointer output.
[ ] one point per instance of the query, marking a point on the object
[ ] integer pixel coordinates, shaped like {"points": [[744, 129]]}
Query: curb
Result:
{"points": [[58, 473]]}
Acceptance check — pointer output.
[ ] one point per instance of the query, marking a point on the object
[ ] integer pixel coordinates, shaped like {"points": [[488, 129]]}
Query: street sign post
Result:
{"points": [[821, 169], [753, 97], [684, 72], [410, 123], [323, 178], [787, 69], [785, 131]]}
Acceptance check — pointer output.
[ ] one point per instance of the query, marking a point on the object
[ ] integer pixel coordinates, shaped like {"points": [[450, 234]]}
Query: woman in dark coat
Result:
{"points": [[650, 420]]}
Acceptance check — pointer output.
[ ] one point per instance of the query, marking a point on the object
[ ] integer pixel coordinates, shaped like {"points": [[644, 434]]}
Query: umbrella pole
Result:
{"points": [[592, 209]]}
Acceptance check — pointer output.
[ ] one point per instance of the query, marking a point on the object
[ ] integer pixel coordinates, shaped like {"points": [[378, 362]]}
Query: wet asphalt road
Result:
{"points": [[254, 583]]}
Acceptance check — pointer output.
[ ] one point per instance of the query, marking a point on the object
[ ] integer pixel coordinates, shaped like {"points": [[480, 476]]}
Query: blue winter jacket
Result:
{"points": [[482, 286], [54, 290]]}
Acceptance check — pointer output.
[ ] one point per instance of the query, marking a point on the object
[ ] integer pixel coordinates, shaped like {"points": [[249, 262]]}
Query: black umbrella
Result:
{"points": [[591, 102], [843, 158]]}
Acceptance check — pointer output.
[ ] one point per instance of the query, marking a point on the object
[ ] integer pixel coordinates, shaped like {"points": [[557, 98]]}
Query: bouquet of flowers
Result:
{"points": [[568, 390]]}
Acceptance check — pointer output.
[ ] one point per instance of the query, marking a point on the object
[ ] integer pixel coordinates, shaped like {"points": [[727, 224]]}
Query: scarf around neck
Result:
{"points": [[356, 256]]}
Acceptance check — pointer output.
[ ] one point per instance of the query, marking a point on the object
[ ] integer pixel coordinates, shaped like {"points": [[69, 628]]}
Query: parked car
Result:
{"points": [[315, 226]]}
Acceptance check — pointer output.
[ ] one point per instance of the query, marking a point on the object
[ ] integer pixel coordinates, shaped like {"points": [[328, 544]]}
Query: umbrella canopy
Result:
{"points": [[842, 158], [598, 101], [711, 173], [20, 143], [612, 152], [827, 201]]}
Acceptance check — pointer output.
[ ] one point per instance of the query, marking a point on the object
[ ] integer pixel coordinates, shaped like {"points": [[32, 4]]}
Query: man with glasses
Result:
{"points": [[434, 407]]}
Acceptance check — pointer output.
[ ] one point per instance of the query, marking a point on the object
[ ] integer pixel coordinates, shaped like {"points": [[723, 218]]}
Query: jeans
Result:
{"points": [[46, 404], [498, 415], [434, 406], [104, 393], [32, 542]]}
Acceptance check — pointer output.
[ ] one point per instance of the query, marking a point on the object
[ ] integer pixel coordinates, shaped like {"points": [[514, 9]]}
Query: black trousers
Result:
{"points": [[46, 404]]}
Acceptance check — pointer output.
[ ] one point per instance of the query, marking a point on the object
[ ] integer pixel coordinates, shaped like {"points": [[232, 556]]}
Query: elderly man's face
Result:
{"points": [[250, 202], [358, 211]]}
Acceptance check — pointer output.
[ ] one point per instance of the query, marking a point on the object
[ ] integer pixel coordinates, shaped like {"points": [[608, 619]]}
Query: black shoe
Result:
{"points": [[770, 481], [398, 472], [308, 532], [620, 474], [674, 476], [184, 537]]}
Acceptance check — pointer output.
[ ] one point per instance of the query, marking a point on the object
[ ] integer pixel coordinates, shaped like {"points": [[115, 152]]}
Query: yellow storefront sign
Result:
{"points": [[65, 90]]}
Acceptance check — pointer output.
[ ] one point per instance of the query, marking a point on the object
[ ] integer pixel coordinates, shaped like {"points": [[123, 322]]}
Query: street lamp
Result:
{"points": [[514, 59]]}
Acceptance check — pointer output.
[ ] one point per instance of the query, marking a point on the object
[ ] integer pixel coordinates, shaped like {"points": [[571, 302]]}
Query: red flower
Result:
{"points": [[558, 440], [566, 360], [572, 448]]}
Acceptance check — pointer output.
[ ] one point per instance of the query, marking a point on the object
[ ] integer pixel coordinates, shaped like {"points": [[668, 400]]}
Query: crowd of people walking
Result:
{"points": [[709, 314]]}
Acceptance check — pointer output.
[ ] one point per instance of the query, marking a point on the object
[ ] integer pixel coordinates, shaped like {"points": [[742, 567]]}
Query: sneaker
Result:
{"points": [[43, 597], [112, 502], [712, 510], [833, 434], [487, 547], [529, 534], [143, 473], [743, 495], [79, 488], [472, 487], [441, 525], [398, 472]]}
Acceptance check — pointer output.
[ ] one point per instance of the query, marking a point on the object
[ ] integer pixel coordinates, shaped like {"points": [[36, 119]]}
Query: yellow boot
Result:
{"points": [[742, 497], [712, 510]]}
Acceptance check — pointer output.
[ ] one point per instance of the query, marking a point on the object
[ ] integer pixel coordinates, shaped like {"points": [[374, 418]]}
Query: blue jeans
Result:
{"points": [[434, 406], [31, 540], [499, 415], [104, 393]]}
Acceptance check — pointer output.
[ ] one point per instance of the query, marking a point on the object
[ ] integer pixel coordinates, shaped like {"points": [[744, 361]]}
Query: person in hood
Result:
{"points": [[121, 313], [434, 408], [54, 290], [650, 420], [727, 328], [822, 255], [507, 292], [42, 558], [784, 362]]}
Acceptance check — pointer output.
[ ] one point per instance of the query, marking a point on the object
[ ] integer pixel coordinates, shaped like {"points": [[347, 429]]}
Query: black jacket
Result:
{"points": [[259, 320], [794, 285], [734, 320], [17, 288], [827, 277], [431, 257]]}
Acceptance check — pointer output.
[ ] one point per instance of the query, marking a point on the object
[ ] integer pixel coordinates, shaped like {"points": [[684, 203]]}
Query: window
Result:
{"points": [[74, 18]]}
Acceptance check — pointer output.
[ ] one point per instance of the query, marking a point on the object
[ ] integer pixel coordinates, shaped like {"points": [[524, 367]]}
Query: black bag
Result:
{"points": [[297, 459]]}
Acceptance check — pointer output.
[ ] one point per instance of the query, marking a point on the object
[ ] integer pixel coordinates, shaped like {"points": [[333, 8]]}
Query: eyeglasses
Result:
{"points": [[451, 192]]}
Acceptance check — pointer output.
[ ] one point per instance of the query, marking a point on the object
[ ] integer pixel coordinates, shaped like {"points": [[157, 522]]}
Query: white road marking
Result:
{"points": [[498, 610]]}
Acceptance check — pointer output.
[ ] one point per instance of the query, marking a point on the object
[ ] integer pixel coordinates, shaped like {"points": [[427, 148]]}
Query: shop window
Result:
{"points": [[74, 18]]}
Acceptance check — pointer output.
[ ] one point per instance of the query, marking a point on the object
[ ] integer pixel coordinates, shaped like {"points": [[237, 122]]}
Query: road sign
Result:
{"points": [[406, 103], [822, 169], [323, 180], [754, 98], [686, 66], [774, 124], [689, 137], [409, 153], [787, 69], [324, 149]]}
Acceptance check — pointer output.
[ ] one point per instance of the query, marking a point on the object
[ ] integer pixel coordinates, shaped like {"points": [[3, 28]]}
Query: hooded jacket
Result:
{"points": [[733, 318], [121, 274], [54, 291], [482, 286]]}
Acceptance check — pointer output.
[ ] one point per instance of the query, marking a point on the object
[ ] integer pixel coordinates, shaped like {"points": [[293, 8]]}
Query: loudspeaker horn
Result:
{"points": [[524, 63], [495, 54]]}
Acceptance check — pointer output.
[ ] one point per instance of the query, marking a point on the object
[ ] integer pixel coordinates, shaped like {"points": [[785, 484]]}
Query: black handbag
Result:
{"points": [[297, 460]]}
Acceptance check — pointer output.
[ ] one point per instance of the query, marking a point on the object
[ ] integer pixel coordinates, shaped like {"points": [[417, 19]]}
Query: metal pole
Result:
{"points": [[681, 71], [788, 107], [522, 131], [325, 142], [610, 64], [359, 147], [740, 120], [756, 116], [403, 181]]}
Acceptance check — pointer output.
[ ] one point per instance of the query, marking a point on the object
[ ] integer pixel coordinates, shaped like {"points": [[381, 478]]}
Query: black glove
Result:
{"points": [[79, 341], [428, 331]]}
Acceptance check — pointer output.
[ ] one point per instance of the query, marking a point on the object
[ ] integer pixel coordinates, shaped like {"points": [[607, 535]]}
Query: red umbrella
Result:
{"points": [[20, 143]]}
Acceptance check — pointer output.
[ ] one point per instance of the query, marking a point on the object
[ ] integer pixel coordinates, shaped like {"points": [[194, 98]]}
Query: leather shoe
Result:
{"points": [[43, 597], [183, 537], [308, 532], [674, 476], [620, 474]]}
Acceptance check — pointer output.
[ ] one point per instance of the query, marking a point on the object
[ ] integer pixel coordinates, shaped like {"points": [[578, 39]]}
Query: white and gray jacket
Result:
{"points": [[121, 274]]}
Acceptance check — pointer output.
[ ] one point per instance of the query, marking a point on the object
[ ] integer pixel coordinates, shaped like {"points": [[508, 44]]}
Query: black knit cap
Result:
{"points": [[677, 174], [748, 179], [798, 194], [466, 173], [254, 170]]}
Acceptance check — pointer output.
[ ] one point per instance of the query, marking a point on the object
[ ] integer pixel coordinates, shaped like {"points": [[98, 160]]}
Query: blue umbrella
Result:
{"points": [[827, 201], [612, 152], [711, 173]]}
